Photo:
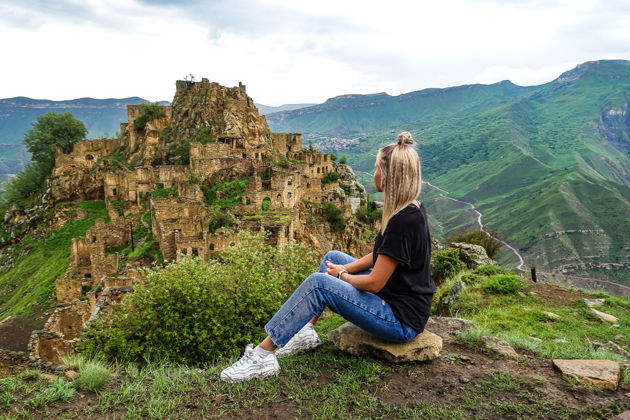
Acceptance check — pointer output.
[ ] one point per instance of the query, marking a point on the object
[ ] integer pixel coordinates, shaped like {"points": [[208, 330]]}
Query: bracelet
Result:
{"points": [[340, 273]]}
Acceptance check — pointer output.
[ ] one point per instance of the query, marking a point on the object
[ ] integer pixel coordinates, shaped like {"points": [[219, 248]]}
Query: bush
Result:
{"points": [[25, 185], [344, 160], [471, 278], [148, 112], [94, 375], [503, 284], [479, 237], [220, 218], [194, 311], [490, 270], [446, 263], [57, 390], [368, 214], [330, 177], [334, 217]]}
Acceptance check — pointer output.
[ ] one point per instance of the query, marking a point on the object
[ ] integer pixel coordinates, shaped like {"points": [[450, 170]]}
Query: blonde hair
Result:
{"points": [[401, 178]]}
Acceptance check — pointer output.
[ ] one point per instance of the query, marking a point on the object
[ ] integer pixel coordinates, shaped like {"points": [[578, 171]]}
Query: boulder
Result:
{"points": [[352, 339], [500, 346], [71, 375], [601, 373], [444, 306], [623, 416], [472, 255], [605, 317]]}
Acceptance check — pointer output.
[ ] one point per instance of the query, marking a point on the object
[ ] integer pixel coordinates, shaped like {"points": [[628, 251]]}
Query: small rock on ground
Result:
{"points": [[499, 346], [594, 302], [352, 339], [623, 416], [605, 317], [71, 375], [601, 373], [551, 315]]}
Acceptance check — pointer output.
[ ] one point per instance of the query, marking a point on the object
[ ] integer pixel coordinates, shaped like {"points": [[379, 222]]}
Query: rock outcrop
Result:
{"points": [[601, 373], [352, 339]]}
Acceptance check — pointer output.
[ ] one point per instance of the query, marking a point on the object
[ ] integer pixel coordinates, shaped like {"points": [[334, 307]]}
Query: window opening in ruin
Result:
{"points": [[211, 247], [93, 238], [266, 203], [248, 201], [308, 185], [289, 194], [232, 243], [195, 252], [318, 169], [289, 181], [113, 191], [245, 155], [89, 157], [159, 185], [87, 275]]}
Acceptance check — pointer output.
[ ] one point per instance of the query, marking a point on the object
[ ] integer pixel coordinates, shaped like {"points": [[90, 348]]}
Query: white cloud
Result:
{"points": [[297, 51]]}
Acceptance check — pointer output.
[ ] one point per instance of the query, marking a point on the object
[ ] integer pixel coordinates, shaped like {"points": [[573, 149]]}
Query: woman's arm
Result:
{"points": [[359, 265], [373, 282]]}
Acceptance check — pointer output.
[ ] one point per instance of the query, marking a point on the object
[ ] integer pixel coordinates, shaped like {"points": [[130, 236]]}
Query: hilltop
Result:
{"points": [[179, 181]]}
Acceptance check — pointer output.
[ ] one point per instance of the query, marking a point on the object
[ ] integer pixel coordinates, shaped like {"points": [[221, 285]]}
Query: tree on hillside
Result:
{"points": [[50, 130]]}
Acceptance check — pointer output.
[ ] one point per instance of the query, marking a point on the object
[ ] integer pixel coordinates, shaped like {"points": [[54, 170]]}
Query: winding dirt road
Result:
{"points": [[443, 193]]}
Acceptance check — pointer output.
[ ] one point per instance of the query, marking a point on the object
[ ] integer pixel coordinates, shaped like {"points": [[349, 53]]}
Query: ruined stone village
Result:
{"points": [[156, 176]]}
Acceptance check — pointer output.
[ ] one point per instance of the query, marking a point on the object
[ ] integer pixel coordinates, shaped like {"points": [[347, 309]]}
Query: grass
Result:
{"points": [[519, 319], [322, 384], [93, 376], [40, 259]]}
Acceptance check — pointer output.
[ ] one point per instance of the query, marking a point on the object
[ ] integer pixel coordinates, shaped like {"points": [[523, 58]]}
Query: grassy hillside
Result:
{"points": [[29, 269]]}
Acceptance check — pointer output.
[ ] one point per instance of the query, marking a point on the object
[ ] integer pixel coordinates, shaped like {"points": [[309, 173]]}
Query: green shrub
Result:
{"points": [[503, 284], [368, 214], [479, 237], [334, 217], [446, 263], [220, 218], [471, 278], [93, 376], [194, 311], [346, 188], [25, 185], [266, 204], [148, 112], [161, 192], [225, 194], [344, 160], [330, 177], [490, 270]]}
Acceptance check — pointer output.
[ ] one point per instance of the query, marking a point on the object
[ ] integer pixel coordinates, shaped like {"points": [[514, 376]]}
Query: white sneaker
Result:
{"points": [[305, 339], [251, 365]]}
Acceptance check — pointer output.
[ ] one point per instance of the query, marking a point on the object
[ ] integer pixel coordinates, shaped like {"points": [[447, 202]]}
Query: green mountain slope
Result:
{"points": [[549, 166], [356, 114]]}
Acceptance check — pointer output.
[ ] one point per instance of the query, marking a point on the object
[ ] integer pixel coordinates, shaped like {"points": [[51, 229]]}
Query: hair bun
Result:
{"points": [[405, 138]]}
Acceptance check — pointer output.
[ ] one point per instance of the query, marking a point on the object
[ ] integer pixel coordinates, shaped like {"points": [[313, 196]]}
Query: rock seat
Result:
{"points": [[352, 339]]}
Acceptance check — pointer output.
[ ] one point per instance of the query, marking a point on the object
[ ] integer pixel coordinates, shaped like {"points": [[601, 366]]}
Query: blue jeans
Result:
{"points": [[364, 309]]}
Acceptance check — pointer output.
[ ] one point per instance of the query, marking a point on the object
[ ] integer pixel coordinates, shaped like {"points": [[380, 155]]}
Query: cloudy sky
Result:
{"points": [[292, 51]]}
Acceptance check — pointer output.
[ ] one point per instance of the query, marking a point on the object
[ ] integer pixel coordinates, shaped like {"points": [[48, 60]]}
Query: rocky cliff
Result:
{"points": [[181, 180]]}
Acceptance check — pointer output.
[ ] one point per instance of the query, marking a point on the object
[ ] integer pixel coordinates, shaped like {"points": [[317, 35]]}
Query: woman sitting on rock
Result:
{"points": [[387, 292]]}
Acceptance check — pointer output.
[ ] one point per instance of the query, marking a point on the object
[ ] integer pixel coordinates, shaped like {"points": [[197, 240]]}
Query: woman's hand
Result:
{"points": [[334, 269]]}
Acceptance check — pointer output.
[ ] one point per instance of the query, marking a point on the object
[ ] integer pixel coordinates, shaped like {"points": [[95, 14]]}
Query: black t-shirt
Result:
{"points": [[410, 288]]}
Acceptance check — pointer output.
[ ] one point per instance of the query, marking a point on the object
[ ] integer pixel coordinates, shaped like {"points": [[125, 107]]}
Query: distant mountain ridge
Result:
{"points": [[266, 109]]}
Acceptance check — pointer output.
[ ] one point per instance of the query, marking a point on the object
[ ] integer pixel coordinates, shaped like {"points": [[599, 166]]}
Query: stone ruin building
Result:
{"points": [[156, 180]]}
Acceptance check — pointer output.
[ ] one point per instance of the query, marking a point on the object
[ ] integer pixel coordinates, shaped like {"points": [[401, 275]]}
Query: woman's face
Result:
{"points": [[377, 174]]}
